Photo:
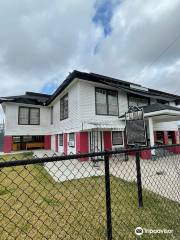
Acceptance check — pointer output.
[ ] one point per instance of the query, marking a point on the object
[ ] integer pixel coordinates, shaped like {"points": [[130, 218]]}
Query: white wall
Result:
{"points": [[11, 121], [165, 126], [87, 104], [72, 123]]}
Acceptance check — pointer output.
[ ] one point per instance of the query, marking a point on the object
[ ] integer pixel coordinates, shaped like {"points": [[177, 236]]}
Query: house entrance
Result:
{"points": [[96, 140]]}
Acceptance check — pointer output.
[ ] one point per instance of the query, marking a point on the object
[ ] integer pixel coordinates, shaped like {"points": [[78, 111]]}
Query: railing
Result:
{"points": [[70, 197]]}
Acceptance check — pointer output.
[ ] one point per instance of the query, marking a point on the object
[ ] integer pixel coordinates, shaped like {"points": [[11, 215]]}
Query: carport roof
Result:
{"points": [[28, 98], [159, 107]]}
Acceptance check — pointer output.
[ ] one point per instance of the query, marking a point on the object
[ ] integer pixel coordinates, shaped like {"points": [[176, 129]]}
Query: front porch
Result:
{"points": [[161, 126]]}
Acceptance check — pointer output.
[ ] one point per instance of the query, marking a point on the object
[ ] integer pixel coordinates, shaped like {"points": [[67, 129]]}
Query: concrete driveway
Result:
{"points": [[161, 176]]}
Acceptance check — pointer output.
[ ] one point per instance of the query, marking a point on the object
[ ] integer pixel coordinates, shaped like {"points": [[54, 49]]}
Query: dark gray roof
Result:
{"points": [[44, 99], [28, 98], [159, 107], [156, 107], [117, 83]]}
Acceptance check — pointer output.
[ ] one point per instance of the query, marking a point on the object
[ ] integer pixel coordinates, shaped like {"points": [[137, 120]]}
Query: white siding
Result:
{"points": [[86, 101], [72, 123], [11, 121], [166, 126]]}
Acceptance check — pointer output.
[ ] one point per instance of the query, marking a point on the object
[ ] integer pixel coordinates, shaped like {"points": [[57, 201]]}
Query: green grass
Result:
{"points": [[34, 206], [19, 156]]}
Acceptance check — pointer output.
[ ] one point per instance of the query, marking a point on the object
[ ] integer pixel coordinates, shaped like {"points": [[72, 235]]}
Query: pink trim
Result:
{"points": [[56, 142], [82, 143], [47, 142], [165, 138], [175, 141], [146, 154], [65, 143], [107, 141], [7, 148]]}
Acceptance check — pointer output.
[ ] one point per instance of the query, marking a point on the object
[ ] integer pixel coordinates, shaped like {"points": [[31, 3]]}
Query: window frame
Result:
{"points": [[52, 115], [122, 138], [62, 99], [29, 116], [107, 103], [71, 140], [61, 145]]}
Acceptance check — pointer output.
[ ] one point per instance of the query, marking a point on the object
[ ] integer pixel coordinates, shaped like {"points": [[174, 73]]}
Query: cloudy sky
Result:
{"points": [[42, 41]]}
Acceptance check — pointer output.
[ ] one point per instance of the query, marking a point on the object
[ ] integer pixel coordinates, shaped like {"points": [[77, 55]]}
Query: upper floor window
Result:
{"points": [[29, 116], [64, 107], [117, 138], [106, 102], [138, 101], [162, 101], [52, 112]]}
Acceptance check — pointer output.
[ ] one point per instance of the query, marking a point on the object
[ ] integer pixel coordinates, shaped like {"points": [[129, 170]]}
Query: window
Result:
{"points": [[34, 116], [71, 140], [117, 138], [23, 115], [64, 107], [52, 110], [161, 101], [61, 140], [138, 101], [106, 102], [29, 116]]}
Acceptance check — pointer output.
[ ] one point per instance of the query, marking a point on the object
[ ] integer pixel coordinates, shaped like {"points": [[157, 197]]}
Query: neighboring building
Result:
{"points": [[83, 115]]}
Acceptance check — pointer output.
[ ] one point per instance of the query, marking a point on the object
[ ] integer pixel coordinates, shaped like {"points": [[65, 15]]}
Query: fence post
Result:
{"points": [[139, 182], [108, 197]]}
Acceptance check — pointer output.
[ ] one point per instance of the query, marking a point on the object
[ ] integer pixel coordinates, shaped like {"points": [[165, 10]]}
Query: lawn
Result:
{"points": [[33, 206]]}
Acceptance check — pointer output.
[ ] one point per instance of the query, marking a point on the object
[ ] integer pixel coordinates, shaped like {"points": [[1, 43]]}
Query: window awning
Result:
{"points": [[112, 125]]}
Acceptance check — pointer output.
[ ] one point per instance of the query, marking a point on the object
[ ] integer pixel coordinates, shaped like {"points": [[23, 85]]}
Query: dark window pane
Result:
{"points": [[23, 115], [101, 102], [60, 139], [52, 112], [113, 103], [117, 138], [64, 107]]}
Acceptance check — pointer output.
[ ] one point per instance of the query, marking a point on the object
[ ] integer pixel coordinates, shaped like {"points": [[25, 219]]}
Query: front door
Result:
{"points": [[96, 141]]}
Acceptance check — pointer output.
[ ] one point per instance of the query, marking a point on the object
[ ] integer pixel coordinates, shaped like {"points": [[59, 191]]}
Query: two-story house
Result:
{"points": [[86, 114]]}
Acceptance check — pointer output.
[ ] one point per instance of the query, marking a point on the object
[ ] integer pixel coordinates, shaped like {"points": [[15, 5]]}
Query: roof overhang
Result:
{"points": [[164, 115], [111, 125]]}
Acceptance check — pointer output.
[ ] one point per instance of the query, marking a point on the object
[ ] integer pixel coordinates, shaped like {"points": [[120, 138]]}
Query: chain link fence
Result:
{"points": [[76, 197]]}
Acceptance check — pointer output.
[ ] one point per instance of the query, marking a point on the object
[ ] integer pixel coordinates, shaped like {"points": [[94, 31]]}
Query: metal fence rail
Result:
{"points": [[74, 197]]}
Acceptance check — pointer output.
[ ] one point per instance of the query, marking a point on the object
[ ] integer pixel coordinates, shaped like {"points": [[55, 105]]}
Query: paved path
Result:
{"points": [[161, 176]]}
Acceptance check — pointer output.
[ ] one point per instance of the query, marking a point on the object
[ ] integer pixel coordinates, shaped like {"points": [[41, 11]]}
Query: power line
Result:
{"points": [[158, 57]]}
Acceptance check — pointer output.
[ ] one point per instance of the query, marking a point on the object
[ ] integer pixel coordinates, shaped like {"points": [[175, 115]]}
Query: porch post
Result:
{"points": [[151, 135]]}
